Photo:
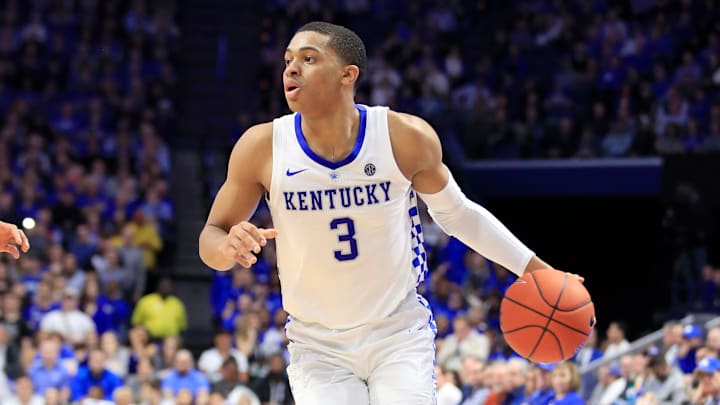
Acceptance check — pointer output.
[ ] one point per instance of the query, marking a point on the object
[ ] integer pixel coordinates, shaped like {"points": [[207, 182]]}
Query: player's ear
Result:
{"points": [[350, 74]]}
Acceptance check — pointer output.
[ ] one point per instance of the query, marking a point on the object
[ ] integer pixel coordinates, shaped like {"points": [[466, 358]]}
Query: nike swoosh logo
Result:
{"points": [[290, 173]]}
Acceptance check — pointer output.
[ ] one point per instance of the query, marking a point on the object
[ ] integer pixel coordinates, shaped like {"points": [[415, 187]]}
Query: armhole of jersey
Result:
{"points": [[276, 152], [386, 127]]}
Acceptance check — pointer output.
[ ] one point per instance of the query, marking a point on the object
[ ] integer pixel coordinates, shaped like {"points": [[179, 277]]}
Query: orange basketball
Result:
{"points": [[546, 316]]}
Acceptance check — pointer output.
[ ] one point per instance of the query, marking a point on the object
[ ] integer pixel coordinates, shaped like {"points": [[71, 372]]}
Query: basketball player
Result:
{"points": [[341, 181], [12, 238]]}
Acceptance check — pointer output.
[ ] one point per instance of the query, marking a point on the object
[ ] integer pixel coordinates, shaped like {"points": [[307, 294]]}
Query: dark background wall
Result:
{"points": [[614, 242], [596, 225]]}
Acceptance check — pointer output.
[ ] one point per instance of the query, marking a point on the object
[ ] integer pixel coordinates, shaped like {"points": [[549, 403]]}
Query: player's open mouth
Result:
{"points": [[291, 90]]}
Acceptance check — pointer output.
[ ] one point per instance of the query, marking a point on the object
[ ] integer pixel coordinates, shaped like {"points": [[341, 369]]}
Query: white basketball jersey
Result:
{"points": [[349, 242]]}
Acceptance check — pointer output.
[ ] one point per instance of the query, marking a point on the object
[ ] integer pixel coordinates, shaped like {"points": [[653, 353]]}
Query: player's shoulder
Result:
{"points": [[258, 133], [412, 138], [408, 125], [254, 140]]}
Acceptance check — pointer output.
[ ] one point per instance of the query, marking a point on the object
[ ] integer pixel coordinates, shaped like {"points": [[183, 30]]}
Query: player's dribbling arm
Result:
{"points": [[418, 152], [227, 237]]}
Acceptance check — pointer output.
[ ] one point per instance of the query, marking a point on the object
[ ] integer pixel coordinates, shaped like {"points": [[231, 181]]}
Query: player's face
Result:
{"points": [[313, 72]]}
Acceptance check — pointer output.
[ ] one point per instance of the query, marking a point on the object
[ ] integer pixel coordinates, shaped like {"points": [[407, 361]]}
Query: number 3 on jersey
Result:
{"points": [[348, 236]]}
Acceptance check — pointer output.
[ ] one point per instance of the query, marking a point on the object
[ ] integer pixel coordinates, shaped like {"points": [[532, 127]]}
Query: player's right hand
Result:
{"points": [[13, 240], [243, 241]]}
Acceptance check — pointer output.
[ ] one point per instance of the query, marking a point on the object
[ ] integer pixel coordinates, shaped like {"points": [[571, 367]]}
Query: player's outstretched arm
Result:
{"points": [[418, 152], [13, 240], [228, 237]]}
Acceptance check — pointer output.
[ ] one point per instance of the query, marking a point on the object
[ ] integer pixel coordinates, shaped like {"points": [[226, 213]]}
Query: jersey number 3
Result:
{"points": [[348, 236]]}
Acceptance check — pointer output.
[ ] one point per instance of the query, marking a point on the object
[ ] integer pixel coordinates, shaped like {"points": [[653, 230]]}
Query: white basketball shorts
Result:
{"points": [[389, 362]]}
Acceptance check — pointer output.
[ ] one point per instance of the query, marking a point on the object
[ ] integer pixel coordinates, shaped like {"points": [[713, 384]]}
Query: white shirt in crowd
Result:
{"points": [[449, 394], [614, 349], [211, 361], [73, 325], [14, 400], [239, 393]]}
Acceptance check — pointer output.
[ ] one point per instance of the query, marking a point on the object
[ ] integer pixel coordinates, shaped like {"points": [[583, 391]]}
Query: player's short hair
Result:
{"points": [[346, 44]]}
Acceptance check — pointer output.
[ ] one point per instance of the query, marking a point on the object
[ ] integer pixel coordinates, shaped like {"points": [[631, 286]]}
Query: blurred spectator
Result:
{"points": [[273, 340], [49, 372], [704, 391], [463, 342], [230, 378], [161, 313], [145, 375], [73, 324], [242, 395], [95, 374], [117, 356], [12, 319], [565, 381], [712, 339], [122, 396], [666, 382], [543, 392], [142, 348], [83, 245], [588, 353], [246, 333], [169, 346], [448, 392], [43, 303], [10, 364], [615, 342], [517, 369], [132, 257], [274, 388], [75, 277], [147, 238], [183, 376], [211, 360], [24, 393], [109, 312], [109, 268], [471, 377], [672, 339], [496, 380], [691, 342]]}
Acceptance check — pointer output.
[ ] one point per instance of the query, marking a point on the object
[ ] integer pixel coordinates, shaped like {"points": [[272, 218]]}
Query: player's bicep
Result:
{"points": [[418, 152], [233, 203], [432, 179], [238, 197]]}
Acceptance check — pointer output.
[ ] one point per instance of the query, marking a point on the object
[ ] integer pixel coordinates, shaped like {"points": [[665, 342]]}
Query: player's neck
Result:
{"points": [[332, 135]]}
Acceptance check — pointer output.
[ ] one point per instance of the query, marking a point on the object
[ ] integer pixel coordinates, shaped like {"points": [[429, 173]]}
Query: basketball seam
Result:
{"points": [[506, 332], [554, 307], [542, 296], [531, 309], [575, 308], [557, 339]]}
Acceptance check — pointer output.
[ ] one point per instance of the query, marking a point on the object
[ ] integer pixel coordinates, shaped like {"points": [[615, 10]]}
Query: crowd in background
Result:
{"points": [[530, 78], [87, 105]]}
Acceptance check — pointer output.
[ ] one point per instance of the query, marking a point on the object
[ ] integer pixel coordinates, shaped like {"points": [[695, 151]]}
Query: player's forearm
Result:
{"points": [[478, 228], [211, 238]]}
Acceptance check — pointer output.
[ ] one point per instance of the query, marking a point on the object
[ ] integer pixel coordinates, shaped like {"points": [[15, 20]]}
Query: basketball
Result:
{"points": [[546, 316]]}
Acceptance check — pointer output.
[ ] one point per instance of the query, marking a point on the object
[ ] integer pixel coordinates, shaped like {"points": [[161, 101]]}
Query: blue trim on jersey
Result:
{"points": [[319, 159]]}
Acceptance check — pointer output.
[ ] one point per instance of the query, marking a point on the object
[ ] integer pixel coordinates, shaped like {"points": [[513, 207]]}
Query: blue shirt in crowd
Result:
{"points": [[84, 380], [193, 381]]}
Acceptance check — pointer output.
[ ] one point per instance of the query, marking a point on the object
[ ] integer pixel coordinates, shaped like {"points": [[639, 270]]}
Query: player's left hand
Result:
{"points": [[12, 238], [577, 277]]}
